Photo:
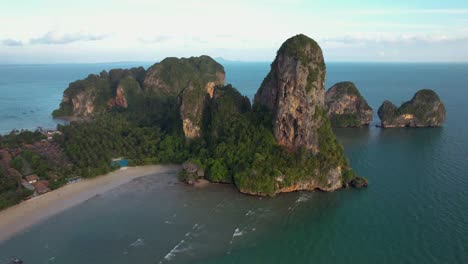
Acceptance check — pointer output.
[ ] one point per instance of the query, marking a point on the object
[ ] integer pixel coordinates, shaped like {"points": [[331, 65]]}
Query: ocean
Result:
{"points": [[414, 211]]}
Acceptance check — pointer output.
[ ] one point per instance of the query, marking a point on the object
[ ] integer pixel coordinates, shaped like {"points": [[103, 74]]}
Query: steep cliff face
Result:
{"points": [[294, 93], [424, 110], [293, 90], [97, 93], [346, 107], [191, 79]]}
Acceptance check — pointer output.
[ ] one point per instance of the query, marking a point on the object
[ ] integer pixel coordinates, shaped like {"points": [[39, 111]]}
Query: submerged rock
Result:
{"points": [[359, 182], [424, 110], [346, 107]]}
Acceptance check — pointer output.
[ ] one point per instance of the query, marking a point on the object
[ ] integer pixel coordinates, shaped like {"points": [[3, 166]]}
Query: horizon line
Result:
{"points": [[238, 61]]}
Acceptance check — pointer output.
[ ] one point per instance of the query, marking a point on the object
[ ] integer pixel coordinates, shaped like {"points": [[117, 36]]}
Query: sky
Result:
{"points": [[62, 31]]}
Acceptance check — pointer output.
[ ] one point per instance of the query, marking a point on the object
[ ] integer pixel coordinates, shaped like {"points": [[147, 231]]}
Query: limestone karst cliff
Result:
{"points": [[346, 107], [425, 109], [293, 91], [188, 80]]}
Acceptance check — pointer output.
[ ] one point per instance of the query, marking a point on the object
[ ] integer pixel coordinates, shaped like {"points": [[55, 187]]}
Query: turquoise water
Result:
{"points": [[415, 210]]}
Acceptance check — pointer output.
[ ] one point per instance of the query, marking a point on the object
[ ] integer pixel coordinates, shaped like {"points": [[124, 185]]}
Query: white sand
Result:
{"points": [[18, 218]]}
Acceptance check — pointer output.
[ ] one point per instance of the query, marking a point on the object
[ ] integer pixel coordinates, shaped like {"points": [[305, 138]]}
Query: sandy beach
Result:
{"points": [[18, 218]]}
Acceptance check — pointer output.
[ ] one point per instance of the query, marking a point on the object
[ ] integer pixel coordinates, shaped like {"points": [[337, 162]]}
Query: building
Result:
{"points": [[49, 134], [41, 187], [32, 178], [27, 185]]}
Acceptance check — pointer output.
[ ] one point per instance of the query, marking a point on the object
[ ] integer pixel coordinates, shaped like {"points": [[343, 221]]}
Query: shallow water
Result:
{"points": [[415, 210]]}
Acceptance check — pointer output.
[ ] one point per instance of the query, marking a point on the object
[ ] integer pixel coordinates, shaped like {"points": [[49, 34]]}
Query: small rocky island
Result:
{"points": [[346, 107], [424, 110]]}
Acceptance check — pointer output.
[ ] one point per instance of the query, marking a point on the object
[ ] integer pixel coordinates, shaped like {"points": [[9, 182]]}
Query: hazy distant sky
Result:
{"points": [[52, 31]]}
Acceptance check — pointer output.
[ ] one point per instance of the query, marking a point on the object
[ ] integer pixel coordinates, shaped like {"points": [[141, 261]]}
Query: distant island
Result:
{"points": [[180, 111]]}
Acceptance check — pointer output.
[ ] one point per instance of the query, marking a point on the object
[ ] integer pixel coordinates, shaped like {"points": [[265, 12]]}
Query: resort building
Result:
{"points": [[41, 187], [32, 178], [27, 185]]}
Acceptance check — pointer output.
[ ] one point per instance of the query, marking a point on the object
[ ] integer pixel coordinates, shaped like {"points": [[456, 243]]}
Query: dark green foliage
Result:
{"points": [[12, 197], [38, 164], [421, 104], [345, 120], [358, 182], [65, 109], [92, 145], [179, 73], [346, 88], [94, 86], [240, 143], [331, 152], [17, 138], [297, 47], [10, 191], [311, 78]]}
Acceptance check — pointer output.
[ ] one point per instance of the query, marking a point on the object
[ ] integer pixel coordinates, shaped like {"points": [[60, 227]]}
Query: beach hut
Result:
{"points": [[41, 187], [32, 178]]}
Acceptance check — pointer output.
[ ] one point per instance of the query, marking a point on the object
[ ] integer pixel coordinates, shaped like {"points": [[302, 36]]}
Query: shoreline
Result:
{"points": [[20, 217]]}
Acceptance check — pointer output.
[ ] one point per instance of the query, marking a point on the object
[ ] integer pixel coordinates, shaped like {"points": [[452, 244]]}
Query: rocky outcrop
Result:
{"points": [[192, 171], [293, 90], [424, 110], [119, 100], [346, 107], [189, 80], [359, 182], [97, 93]]}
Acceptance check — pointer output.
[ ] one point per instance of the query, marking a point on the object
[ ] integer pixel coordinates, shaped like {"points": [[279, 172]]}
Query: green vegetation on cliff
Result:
{"points": [[424, 110], [346, 107], [301, 47]]}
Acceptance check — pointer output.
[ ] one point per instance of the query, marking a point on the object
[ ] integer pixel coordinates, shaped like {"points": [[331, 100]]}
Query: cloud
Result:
{"points": [[156, 39], [52, 38], [12, 42], [370, 39], [391, 11]]}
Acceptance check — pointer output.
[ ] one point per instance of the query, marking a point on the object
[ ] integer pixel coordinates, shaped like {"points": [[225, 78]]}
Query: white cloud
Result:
{"points": [[54, 38], [12, 42]]}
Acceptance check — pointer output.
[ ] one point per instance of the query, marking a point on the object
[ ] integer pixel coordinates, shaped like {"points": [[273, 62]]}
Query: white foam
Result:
{"points": [[302, 198], [177, 249], [138, 243], [237, 233], [249, 213]]}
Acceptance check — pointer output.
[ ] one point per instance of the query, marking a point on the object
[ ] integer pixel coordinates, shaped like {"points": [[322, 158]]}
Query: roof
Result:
{"points": [[41, 186], [32, 177]]}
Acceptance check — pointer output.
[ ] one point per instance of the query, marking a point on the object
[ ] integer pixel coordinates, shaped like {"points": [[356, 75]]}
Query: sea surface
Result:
{"points": [[414, 211]]}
